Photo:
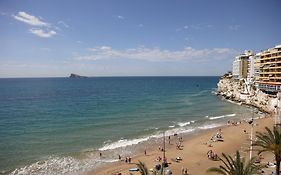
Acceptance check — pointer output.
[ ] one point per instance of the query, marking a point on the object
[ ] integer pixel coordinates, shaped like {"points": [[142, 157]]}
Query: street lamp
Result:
{"points": [[252, 128], [277, 121], [164, 164], [164, 146]]}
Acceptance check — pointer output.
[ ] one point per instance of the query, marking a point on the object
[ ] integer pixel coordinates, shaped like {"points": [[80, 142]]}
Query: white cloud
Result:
{"points": [[234, 27], [63, 24], [29, 19], [43, 34], [157, 54], [43, 29], [195, 27], [120, 17]]}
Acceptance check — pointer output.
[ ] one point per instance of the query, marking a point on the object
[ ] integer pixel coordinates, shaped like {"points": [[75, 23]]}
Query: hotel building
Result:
{"points": [[240, 66], [251, 69], [269, 79]]}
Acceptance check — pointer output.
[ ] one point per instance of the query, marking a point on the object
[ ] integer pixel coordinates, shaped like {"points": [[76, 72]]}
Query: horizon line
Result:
{"points": [[119, 76]]}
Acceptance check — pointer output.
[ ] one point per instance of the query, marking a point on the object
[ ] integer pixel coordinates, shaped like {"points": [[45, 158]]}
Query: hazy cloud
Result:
{"points": [[195, 27], [29, 19], [234, 27], [3, 13], [43, 34], [157, 54], [63, 24], [120, 17]]}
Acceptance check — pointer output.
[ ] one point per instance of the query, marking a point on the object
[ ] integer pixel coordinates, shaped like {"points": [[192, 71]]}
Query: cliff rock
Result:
{"points": [[240, 91]]}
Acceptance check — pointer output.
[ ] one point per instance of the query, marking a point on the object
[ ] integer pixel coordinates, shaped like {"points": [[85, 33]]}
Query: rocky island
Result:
{"points": [[76, 76]]}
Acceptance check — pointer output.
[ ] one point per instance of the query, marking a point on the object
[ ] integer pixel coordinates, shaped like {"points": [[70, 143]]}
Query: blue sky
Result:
{"points": [[132, 38]]}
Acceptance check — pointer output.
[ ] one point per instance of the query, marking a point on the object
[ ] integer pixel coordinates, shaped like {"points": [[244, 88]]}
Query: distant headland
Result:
{"points": [[76, 76]]}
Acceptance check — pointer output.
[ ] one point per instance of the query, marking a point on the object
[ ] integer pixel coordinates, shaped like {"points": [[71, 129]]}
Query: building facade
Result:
{"points": [[269, 78], [236, 68], [240, 65]]}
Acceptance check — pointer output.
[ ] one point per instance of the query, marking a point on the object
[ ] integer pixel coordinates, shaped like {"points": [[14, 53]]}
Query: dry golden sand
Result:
{"points": [[194, 152]]}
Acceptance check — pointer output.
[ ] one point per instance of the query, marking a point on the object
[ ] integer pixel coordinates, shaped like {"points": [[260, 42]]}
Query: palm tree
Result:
{"points": [[235, 167], [270, 141], [143, 169]]}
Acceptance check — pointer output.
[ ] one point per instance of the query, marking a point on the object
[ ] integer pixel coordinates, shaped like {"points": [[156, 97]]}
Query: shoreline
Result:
{"points": [[188, 130], [196, 142], [88, 160]]}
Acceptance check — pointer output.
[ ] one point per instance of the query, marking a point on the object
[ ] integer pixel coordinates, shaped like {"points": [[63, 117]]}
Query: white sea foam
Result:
{"points": [[171, 126], [210, 126], [55, 165], [230, 115], [182, 124], [216, 117], [108, 160], [222, 116], [186, 131], [61, 166], [214, 92], [234, 102], [178, 131], [123, 143]]}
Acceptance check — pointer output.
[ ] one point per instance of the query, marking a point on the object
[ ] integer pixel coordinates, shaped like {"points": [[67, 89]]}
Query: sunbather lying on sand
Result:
{"points": [[212, 155]]}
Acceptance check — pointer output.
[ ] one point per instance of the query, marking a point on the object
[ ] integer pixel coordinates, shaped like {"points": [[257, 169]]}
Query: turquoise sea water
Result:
{"points": [[59, 125]]}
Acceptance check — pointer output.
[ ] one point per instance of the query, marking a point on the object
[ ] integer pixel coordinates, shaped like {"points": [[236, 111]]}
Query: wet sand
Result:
{"points": [[194, 150]]}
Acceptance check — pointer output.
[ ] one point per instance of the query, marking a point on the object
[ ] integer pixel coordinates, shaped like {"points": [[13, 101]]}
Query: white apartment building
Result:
{"points": [[251, 69], [257, 66], [241, 65], [236, 67]]}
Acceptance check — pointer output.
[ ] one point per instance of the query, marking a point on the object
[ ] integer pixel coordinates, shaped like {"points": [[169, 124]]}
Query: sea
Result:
{"points": [[60, 125]]}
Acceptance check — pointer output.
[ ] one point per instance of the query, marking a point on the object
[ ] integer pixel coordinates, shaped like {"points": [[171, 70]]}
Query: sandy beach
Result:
{"points": [[194, 150]]}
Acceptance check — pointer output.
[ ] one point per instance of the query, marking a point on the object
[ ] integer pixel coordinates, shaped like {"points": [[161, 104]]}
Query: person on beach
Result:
{"points": [[177, 146], [145, 152], [159, 159], [119, 157], [100, 154], [185, 171], [180, 139], [130, 159], [212, 155], [169, 139]]}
